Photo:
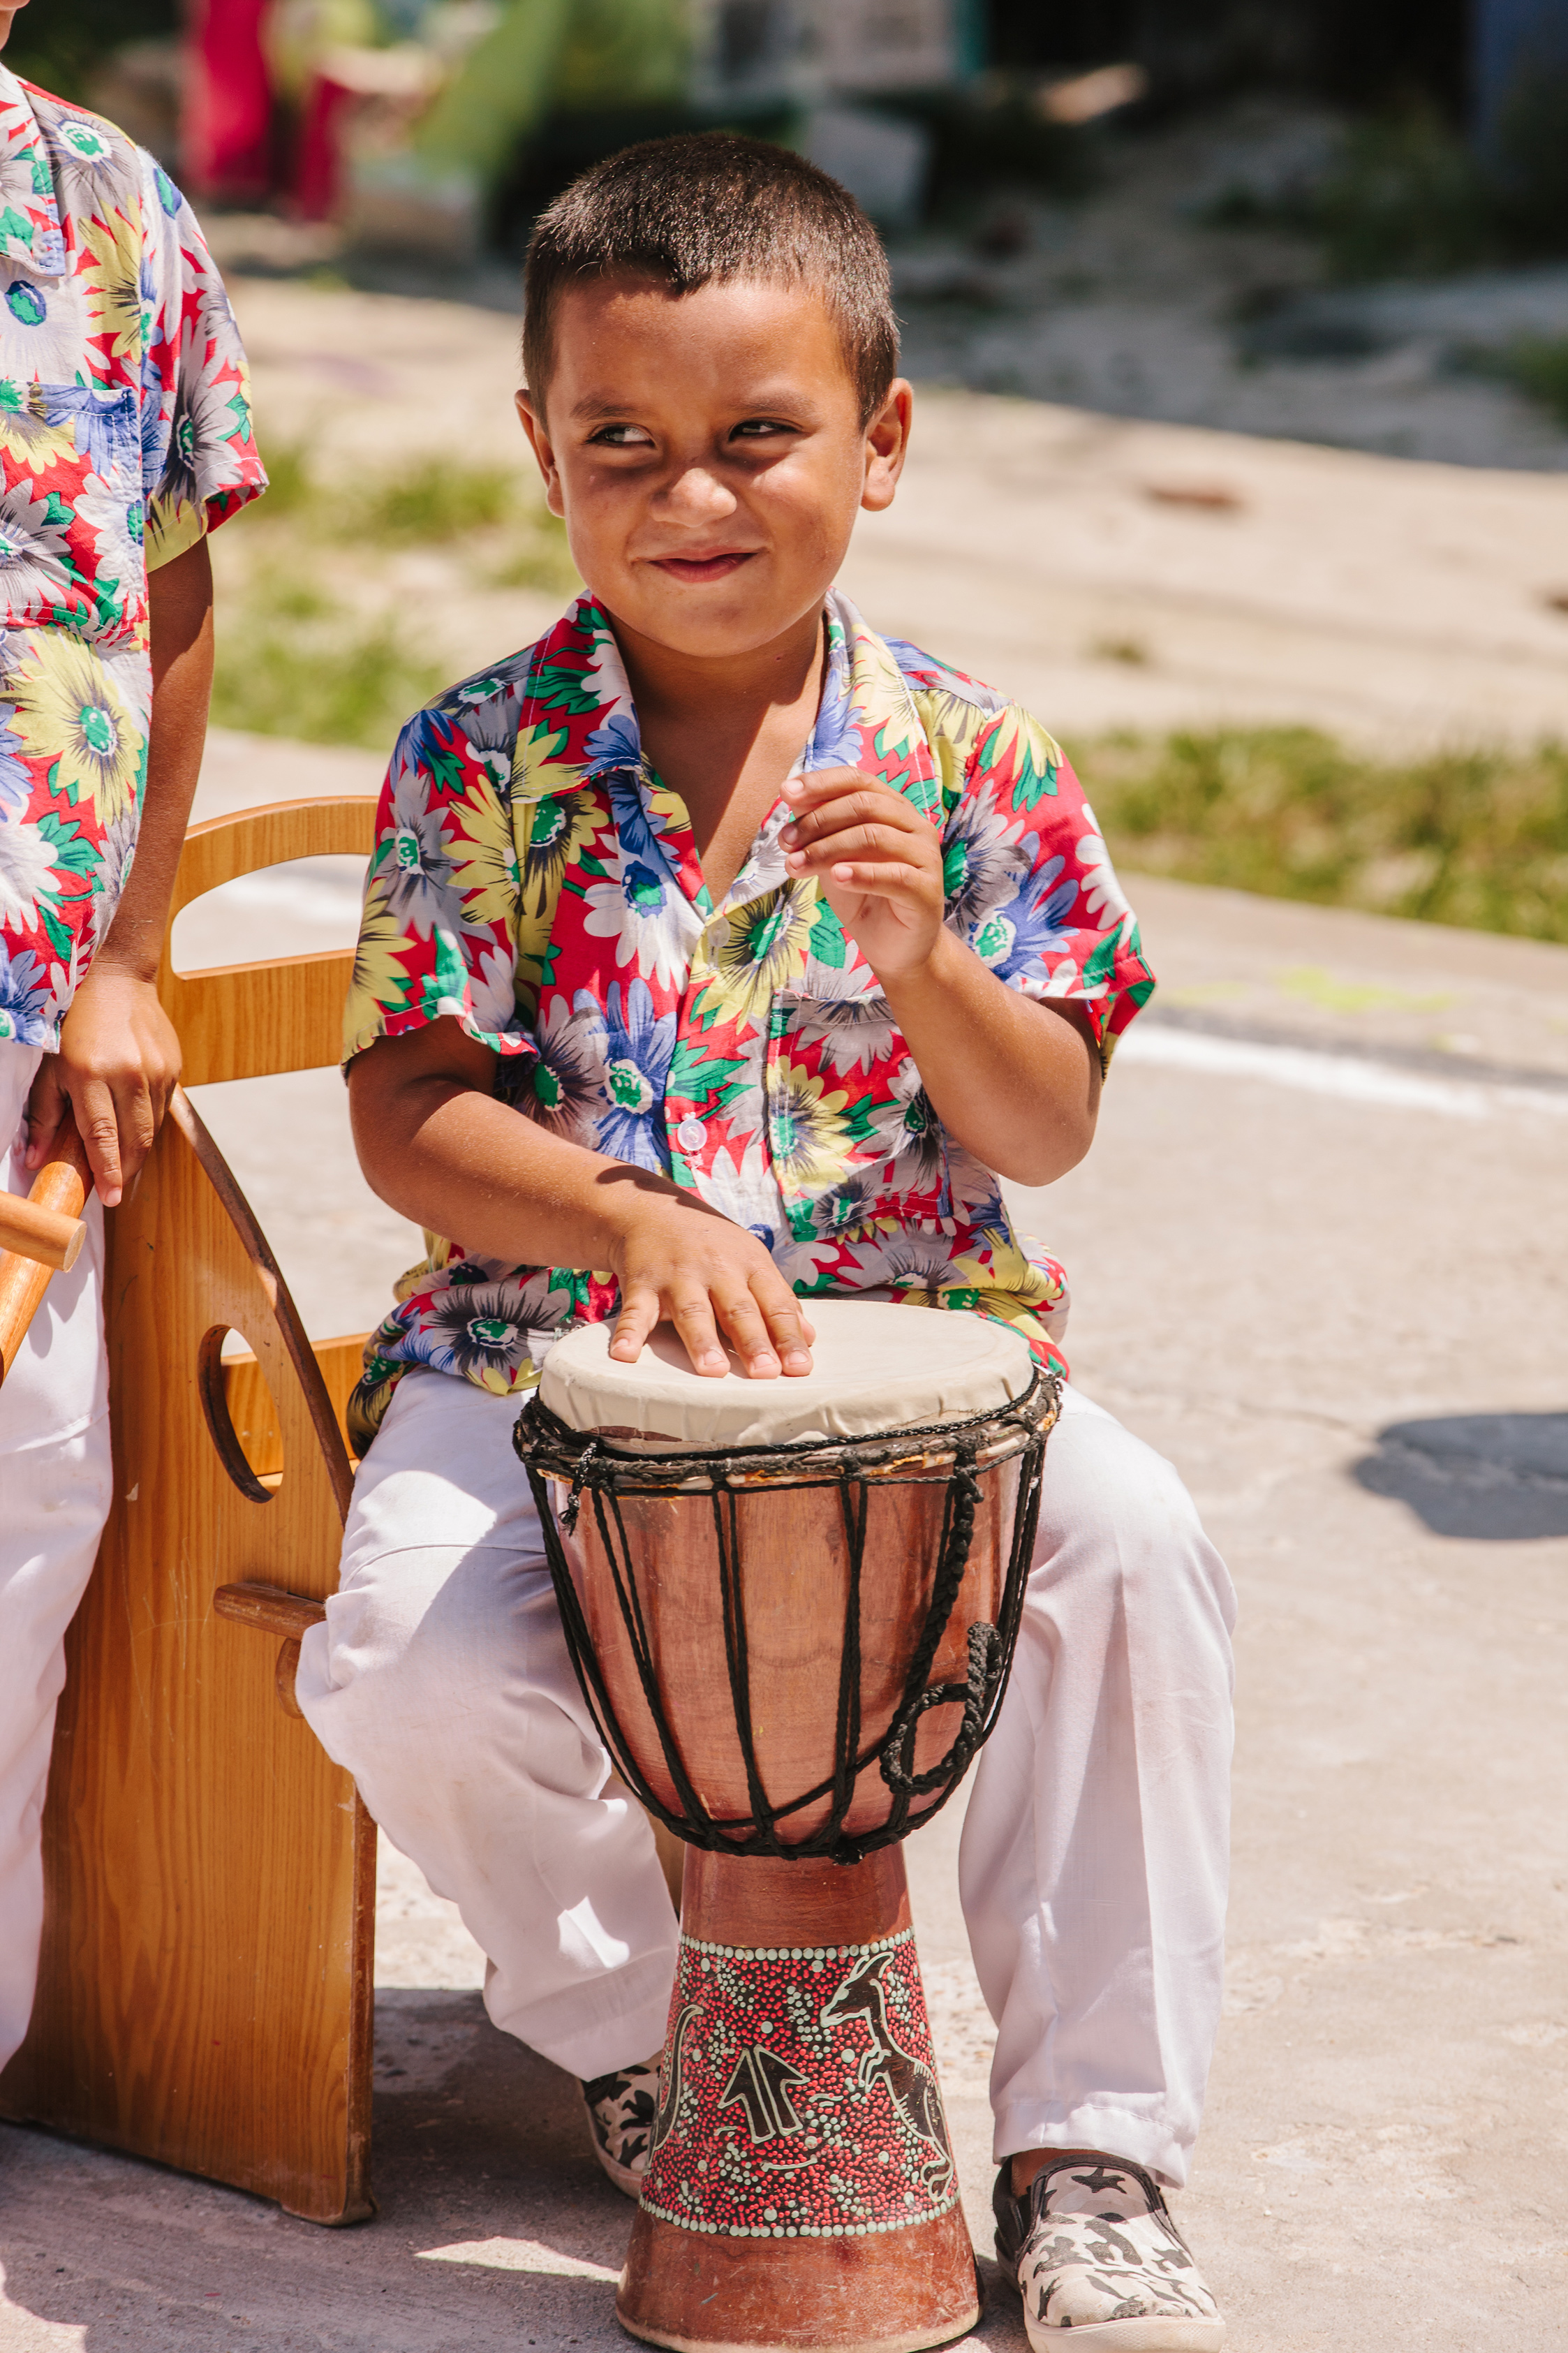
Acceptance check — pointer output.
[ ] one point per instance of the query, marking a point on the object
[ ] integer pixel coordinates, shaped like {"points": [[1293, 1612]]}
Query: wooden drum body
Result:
{"points": [[794, 1636]]}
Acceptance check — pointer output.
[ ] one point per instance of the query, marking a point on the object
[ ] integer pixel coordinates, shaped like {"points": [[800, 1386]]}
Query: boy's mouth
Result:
{"points": [[697, 568]]}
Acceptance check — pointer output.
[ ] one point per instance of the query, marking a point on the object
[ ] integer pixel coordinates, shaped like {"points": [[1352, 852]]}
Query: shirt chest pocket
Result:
{"points": [[851, 1132], [71, 508]]}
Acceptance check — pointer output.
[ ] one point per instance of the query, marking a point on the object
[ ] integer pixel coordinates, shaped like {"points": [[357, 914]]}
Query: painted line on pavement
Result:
{"points": [[331, 897], [1352, 1078]]}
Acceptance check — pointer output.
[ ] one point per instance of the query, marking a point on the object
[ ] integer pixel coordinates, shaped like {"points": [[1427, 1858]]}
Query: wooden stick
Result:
{"points": [[42, 1235], [269, 1607], [274, 1611], [59, 1191]]}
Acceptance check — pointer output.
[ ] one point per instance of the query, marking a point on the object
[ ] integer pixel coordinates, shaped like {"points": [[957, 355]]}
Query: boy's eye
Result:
{"points": [[622, 437], [758, 428]]}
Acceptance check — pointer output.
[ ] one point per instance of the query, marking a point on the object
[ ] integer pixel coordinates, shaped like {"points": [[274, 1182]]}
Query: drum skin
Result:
{"points": [[794, 1557]]}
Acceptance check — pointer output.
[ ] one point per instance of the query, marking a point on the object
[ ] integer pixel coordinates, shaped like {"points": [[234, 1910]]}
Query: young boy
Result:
{"points": [[125, 438], [717, 953]]}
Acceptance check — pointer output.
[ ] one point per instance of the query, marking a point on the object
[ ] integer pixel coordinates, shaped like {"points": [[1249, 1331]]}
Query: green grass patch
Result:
{"points": [[290, 489], [1538, 365], [1407, 195], [1405, 199], [294, 658], [1477, 839], [292, 662], [432, 504]]}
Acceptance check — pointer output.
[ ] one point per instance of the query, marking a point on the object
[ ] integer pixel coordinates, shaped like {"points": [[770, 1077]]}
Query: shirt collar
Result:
{"points": [[29, 210], [866, 718]]}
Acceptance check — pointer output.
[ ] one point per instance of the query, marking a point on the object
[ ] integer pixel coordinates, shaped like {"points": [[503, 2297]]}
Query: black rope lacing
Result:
{"points": [[596, 1468]]}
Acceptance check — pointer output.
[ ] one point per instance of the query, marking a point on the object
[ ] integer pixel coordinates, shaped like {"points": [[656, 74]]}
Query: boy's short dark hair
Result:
{"points": [[709, 205]]}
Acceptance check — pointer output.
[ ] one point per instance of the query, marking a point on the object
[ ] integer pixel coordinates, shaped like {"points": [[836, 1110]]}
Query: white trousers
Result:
{"points": [[1093, 1862], [54, 1498]]}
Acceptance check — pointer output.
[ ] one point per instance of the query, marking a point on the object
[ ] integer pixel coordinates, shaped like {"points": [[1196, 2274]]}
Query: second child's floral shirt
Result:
{"points": [[124, 435], [533, 878]]}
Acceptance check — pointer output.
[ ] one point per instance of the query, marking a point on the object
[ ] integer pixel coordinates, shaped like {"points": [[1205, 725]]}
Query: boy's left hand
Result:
{"points": [[878, 862]]}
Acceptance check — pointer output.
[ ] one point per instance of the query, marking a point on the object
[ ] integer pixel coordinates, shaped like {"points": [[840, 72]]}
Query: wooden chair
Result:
{"points": [[205, 1991]]}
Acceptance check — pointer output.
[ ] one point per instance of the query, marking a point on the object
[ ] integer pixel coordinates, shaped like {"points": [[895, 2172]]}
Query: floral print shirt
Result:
{"points": [[124, 435], [532, 878]]}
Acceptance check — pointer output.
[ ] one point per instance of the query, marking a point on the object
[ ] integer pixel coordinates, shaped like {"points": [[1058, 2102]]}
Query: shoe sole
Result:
{"points": [[1155, 2335], [622, 2175]]}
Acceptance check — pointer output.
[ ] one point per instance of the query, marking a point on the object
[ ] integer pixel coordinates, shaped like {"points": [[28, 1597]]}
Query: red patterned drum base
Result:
{"points": [[800, 2095]]}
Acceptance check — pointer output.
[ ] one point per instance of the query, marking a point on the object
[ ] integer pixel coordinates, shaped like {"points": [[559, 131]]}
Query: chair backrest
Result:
{"points": [[259, 1019], [283, 1013], [204, 1988]]}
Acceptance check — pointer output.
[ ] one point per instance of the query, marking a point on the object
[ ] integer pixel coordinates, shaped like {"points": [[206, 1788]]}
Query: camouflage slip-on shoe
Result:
{"points": [[622, 2107], [1092, 2245]]}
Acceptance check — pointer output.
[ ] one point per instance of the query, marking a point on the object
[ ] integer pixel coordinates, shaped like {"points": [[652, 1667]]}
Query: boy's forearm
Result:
{"points": [[119, 1059], [436, 1143], [181, 598], [436, 1146], [1016, 1082]]}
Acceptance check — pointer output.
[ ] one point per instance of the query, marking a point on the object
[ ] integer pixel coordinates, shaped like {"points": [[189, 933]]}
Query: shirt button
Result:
{"points": [[691, 1134]]}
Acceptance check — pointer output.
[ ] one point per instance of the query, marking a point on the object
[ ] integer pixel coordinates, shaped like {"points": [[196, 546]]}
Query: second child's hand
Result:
{"points": [[877, 860]]}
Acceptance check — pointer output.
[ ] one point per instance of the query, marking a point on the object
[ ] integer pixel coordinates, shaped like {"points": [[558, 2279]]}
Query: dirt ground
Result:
{"points": [[1130, 302]]}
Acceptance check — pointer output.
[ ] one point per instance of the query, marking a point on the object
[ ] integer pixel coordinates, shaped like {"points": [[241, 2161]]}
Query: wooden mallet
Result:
{"points": [[41, 1235]]}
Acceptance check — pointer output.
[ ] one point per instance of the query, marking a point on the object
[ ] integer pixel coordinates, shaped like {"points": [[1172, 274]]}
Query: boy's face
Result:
{"points": [[706, 453]]}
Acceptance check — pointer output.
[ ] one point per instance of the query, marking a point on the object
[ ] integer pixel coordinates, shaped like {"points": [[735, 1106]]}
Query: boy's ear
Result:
{"points": [[887, 445], [538, 433]]}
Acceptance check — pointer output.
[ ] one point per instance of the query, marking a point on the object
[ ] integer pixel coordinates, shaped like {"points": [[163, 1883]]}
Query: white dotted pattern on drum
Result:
{"points": [[798, 2095], [877, 1366], [798, 1952]]}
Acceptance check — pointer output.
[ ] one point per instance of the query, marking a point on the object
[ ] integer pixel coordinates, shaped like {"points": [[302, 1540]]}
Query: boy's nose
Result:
{"points": [[698, 496]]}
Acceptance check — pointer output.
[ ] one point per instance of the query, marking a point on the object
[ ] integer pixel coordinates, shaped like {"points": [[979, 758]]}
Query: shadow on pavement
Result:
{"points": [[1497, 1477], [495, 2230]]}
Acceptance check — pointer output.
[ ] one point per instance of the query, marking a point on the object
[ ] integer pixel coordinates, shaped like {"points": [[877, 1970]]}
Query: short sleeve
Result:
{"points": [[1029, 880], [438, 934], [199, 459]]}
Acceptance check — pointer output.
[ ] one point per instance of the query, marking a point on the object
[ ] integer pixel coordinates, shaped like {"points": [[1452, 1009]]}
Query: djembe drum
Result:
{"points": [[791, 1606]]}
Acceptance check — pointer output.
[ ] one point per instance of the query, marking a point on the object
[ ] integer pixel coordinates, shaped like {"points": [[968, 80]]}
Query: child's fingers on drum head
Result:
{"points": [[764, 1326]]}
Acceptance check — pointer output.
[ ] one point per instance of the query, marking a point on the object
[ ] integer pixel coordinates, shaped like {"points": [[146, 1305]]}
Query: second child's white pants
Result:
{"points": [[55, 1476], [1093, 1861]]}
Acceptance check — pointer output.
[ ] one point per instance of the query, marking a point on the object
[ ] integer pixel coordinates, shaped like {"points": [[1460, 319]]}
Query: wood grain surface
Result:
{"points": [[240, 1021], [795, 1583], [252, 1414], [205, 1991]]}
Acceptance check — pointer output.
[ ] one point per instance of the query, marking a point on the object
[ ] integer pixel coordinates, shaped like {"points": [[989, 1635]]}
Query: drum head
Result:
{"points": [[877, 1366]]}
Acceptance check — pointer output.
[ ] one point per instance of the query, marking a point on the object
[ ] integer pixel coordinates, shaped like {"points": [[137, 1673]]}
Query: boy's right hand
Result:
{"points": [[681, 1262]]}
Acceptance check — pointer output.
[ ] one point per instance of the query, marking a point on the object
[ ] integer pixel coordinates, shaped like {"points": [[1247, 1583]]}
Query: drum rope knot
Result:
{"points": [[573, 1503]]}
